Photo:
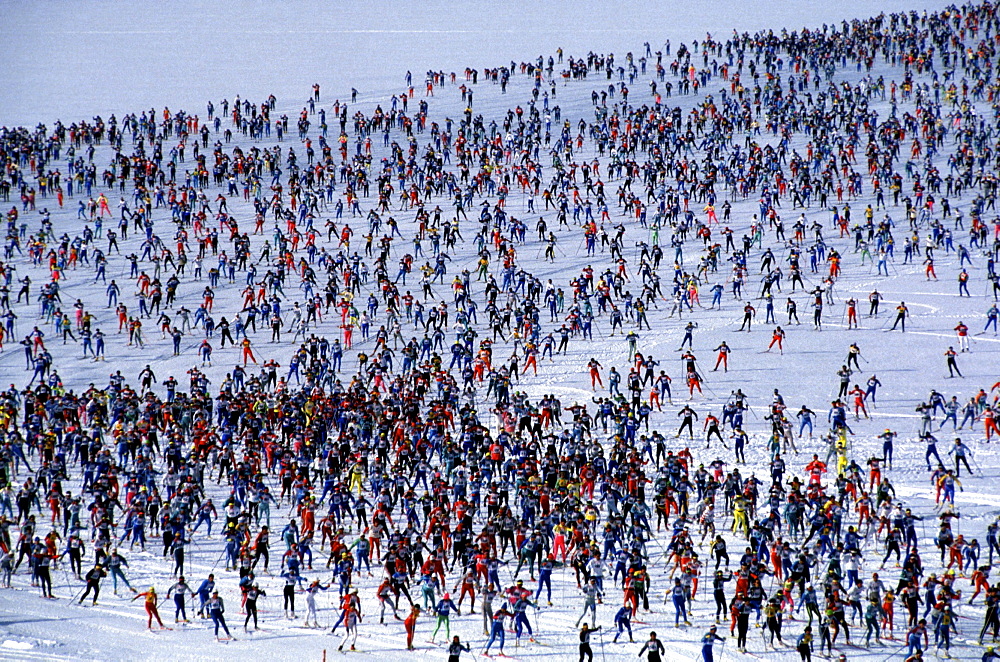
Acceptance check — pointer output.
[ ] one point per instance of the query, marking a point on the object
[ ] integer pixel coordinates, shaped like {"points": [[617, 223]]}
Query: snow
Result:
{"points": [[18, 645], [180, 56], [74, 60]]}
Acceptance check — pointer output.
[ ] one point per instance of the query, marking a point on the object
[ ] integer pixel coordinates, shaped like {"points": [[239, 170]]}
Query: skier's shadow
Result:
{"points": [[22, 621]]}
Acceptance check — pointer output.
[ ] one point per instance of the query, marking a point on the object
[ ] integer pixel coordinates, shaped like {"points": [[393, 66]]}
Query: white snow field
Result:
{"points": [[74, 61]]}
